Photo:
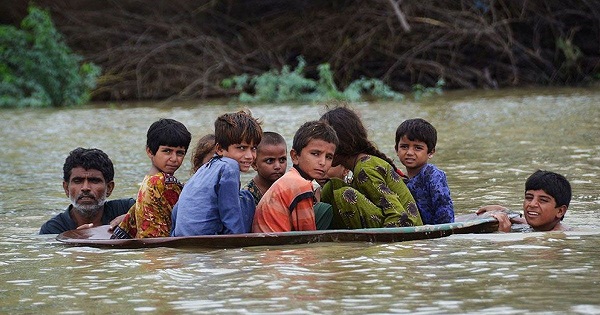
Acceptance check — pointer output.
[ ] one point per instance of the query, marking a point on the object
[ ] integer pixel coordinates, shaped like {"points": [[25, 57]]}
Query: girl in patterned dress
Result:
{"points": [[166, 145], [377, 195]]}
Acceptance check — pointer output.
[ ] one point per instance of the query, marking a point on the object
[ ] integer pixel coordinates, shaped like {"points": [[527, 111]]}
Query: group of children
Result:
{"points": [[316, 192]]}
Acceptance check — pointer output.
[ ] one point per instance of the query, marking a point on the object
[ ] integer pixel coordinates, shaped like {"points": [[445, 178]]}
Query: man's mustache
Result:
{"points": [[86, 196]]}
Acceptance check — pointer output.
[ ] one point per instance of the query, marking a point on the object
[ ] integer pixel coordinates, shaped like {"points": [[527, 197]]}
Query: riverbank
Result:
{"points": [[182, 50]]}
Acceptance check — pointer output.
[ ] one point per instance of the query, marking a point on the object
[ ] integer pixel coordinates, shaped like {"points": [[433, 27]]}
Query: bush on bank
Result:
{"points": [[37, 68], [286, 85]]}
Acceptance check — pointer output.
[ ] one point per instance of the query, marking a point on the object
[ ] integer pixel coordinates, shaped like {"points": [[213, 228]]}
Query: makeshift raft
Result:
{"points": [[100, 237]]}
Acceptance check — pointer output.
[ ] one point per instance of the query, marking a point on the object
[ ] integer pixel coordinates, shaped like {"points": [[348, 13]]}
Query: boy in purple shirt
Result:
{"points": [[415, 145], [211, 201]]}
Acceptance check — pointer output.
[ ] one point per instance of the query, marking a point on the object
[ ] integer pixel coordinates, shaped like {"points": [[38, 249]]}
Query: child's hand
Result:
{"points": [[85, 226], [116, 221], [504, 223]]}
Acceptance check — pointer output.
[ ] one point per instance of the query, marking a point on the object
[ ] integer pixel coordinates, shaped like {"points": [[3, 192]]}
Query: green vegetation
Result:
{"points": [[420, 91], [37, 68], [291, 85]]}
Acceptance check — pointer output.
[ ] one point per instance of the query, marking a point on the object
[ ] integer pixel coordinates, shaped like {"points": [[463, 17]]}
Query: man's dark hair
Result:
{"points": [[553, 184], [167, 132], [89, 159], [417, 129]]}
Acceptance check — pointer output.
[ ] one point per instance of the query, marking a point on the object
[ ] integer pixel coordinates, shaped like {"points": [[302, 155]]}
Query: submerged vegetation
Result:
{"points": [[37, 69]]}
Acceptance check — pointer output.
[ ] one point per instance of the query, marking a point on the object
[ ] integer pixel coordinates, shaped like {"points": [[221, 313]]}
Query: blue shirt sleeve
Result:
{"points": [[229, 205], [441, 200]]}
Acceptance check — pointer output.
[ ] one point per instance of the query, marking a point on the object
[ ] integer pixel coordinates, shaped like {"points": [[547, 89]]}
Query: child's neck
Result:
{"points": [[154, 170], [302, 173], [262, 183], [412, 172]]}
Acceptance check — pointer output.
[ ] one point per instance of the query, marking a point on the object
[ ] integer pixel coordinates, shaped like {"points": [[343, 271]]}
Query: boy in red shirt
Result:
{"points": [[288, 204]]}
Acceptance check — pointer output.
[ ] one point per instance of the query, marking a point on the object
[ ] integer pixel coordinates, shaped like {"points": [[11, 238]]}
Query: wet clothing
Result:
{"points": [[211, 202], [286, 206], [430, 190], [151, 214], [63, 221], [376, 197]]}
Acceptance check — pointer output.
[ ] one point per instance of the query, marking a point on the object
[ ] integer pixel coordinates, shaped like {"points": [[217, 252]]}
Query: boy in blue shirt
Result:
{"points": [[211, 201], [415, 145]]}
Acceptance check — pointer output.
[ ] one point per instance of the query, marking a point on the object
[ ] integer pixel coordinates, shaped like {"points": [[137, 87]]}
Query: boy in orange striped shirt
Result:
{"points": [[288, 203]]}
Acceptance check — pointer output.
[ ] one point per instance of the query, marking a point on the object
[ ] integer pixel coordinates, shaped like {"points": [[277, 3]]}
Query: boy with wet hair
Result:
{"points": [[415, 145], [288, 205], [547, 198], [167, 141], [270, 164], [211, 201]]}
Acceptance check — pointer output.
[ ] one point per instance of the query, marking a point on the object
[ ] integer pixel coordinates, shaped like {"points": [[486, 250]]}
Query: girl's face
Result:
{"points": [[167, 159]]}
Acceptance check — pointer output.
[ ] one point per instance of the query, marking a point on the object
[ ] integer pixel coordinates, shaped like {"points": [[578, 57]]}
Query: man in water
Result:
{"points": [[87, 181]]}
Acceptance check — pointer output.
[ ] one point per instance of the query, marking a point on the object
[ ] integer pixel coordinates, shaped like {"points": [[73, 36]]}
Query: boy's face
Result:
{"points": [[244, 153], [167, 159], [315, 158], [413, 154], [271, 161], [540, 211]]}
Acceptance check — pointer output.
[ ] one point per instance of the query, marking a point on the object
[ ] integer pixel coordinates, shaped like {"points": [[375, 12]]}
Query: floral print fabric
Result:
{"points": [[376, 197], [150, 216]]}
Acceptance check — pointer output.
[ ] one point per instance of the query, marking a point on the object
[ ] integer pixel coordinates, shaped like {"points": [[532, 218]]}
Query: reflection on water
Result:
{"points": [[488, 142]]}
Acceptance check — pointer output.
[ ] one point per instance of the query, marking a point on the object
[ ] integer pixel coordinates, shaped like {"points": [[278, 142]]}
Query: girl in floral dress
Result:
{"points": [[377, 195]]}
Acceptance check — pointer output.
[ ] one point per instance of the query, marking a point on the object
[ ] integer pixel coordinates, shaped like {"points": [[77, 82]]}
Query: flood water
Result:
{"points": [[488, 143]]}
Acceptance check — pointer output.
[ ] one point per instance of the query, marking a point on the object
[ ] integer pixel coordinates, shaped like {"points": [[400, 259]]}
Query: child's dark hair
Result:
{"points": [[233, 128], [271, 138], [553, 184], [168, 132], [417, 129], [316, 129], [204, 147], [352, 134], [89, 159]]}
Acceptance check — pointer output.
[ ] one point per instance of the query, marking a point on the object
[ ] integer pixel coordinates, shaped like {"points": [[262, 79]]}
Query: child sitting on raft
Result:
{"points": [[377, 196], [166, 145], [288, 205]]}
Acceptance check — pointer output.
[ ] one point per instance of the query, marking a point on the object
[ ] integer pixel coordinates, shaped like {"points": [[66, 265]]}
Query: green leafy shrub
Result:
{"points": [[291, 85], [420, 91], [37, 68]]}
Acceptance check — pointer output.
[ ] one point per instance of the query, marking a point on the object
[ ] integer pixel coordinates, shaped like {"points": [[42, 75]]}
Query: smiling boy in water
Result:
{"points": [[547, 198]]}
